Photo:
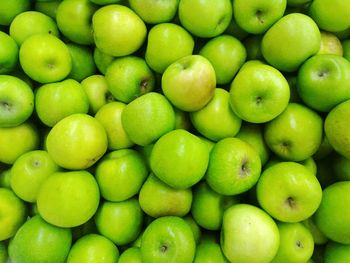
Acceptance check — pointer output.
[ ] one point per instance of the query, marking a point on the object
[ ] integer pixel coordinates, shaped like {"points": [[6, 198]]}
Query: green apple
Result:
{"points": [[290, 41], [166, 43], [85, 141], [68, 199], [5, 178], [296, 243], [196, 229], [324, 81], [13, 213], [48, 8], [216, 120], [332, 217], [205, 18], [248, 234], [180, 159], [45, 58], [154, 11], [341, 167], [289, 192], [83, 64], [93, 248], [131, 255], [182, 120], [128, 78], [253, 134], [16, 101], [257, 16], [3, 253], [102, 60], [29, 171], [121, 222], [346, 49], [74, 19], [331, 15], [120, 174], [208, 206], [330, 44], [38, 241], [168, 239], [336, 128], [158, 199], [235, 30], [109, 115], [147, 118], [296, 134], [189, 83], [208, 251], [252, 44], [324, 150], [336, 253], [55, 101], [309, 163], [226, 54], [234, 167], [259, 93], [10, 9], [318, 237], [15, 141], [8, 53], [118, 31], [30, 23]]}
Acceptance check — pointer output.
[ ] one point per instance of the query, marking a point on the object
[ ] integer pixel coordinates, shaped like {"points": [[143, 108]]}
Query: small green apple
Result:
{"points": [[10, 9], [196, 229], [8, 53], [131, 255], [102, 60], [48, 8], [330, 44], [336, 253], [208, 251]]}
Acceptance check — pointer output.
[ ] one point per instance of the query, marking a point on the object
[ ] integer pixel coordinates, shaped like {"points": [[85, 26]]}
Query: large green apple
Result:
{"points": [[10, 9], [132, 254], [8, 53], [336, 253]]}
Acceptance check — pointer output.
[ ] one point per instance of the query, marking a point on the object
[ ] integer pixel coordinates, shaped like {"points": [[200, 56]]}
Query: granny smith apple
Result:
{"points": [[154, 11], [318, 237], [30, 23], [45, 58], [118, 31], [55, 101], [216, 120], [336, 253], [248, 234], [128, 78], [16, 101], [259, 93], [208, 251], [132, 254], [102, 60], [289, 192], [205, 18], [196, 229], [166, 43], [309, 163], [8, 53], [38, 241], [3, 253], [330, 44], [121, 222], [85, 141], [234, 167], [13, 213], [93, 248], [10, 9], [168, 239], [74, 19], [48, 8], [158, 199], [147, 118], [180, 159], [5, 178], [120, 174], [182, 120], [257, 16], [29, 171], [189, 83], [296, 134], [290, 41], [324, 81]]}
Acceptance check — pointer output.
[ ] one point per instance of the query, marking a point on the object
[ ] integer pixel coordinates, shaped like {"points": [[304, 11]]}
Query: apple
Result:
{"points": [[121, 222], [216, 120], [309, 163], [246, 228], [29, 171], [74, 19], [166, 43], [5, 178], [118, 31], [30, 23], [102, 60], [45, 58], [346, 49], [318, 237], [290, 41], [48, 8], [252, 44], [158, 199], [257, 16], [205, 18], [38, 241], [209, 251], [289, 192], [168, 239], [3, 253], [340, 167], [182, 120], [8, 53], [336, 253], [179, 159], [93, 248], [16, 101], [259, 92], [10, 9], [128, 78], [196, 229], [55, 101], [235, 30], [132, 254], [330, 44], [189, 83]]}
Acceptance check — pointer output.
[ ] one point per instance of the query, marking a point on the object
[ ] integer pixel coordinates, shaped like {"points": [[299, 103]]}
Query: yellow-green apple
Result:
{"points": [[330, 44], [102, 60], [8, 53], [132, 254], [10, 9], [336, 253], [48, 8]]}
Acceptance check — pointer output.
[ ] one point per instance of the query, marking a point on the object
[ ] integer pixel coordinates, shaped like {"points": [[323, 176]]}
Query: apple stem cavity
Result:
{"points": [[291, 202], [299, 244]]}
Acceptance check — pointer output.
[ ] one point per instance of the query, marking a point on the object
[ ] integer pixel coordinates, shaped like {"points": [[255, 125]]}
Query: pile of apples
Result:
{"points": [[174, 131]]}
